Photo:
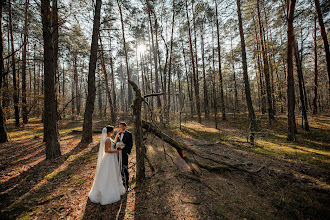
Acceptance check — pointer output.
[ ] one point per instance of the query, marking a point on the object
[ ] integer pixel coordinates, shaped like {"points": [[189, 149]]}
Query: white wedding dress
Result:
{"points": [[107, 186]]}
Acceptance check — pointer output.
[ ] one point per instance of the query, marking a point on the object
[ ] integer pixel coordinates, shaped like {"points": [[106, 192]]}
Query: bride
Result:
{"points": [[107, 186]]}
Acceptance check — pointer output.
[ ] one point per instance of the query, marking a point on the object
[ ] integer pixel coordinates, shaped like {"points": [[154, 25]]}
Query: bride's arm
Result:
{"points": [[116, 138], [107, 147]]}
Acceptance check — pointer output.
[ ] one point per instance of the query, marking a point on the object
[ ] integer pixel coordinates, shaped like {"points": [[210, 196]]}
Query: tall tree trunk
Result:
{"points": [[252, 116], [234, 76], [130, 92], [223, 107], [188, 87], [193, 68], [215, 102], [87, 136], [301, 89], [15, 84], [76, 82], [3, 132], [112, 110], [55, 27], [206, 96], [290, 80], [324, 38], [157, 69], [50, 113], [196, 79], [63, 87], [99, 98], [24, 104], [266, 68], [261, 84], [155, 51], [315, 70], [113, 90], [169, 69], [72, 97]]}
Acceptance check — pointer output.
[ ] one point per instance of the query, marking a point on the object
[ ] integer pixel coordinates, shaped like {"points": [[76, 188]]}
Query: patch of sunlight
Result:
{"points": [[29, 156], [89, 157], [312, 179], [278, 147], [317, 143], [31, 192], [58, 174], [290, 151], [295, 145], [282, 136], [76, 180], [151, 150], [71, 158], [312, 150], [26, 133], [68, 130]]}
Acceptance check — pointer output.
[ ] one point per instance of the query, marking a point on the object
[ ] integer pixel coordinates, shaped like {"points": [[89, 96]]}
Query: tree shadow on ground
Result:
{"points": [[26, 180]]}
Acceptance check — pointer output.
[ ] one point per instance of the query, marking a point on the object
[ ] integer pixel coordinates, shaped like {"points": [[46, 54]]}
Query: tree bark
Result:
{"points": [[130, 93], [157, 69], [76, 81], [266, 69], [215, 102], [138, 134], [196, 79], [206, 95], [3, 131], [301, 90], [87, 136], [188, 87], [15, 93], [290, 80], [24, 103], [324, 38], [252, 117], [113, 83], [223, 107], [50, 113], [315, 70], [193, 69], [112, 110], [169, 69], [236, 109], [55, 27]]}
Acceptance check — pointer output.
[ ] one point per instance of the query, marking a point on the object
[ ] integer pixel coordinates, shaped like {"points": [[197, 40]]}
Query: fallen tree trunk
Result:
{"points": [[180, 149]]}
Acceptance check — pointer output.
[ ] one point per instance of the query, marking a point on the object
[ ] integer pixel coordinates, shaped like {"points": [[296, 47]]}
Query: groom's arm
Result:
{"points": [[130, 143]]}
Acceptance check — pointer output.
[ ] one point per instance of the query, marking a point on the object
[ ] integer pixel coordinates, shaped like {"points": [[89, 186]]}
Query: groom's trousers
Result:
{"points": [[124, 171]]}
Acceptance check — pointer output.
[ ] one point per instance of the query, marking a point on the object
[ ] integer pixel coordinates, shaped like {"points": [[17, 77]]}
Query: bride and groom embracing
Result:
{"points": [[111, 175]]}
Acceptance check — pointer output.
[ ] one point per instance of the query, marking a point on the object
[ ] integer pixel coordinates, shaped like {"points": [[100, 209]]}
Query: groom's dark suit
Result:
{"points": [[128, 141]]}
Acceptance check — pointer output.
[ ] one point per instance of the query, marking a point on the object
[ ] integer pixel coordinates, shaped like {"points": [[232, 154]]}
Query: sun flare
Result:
{"points": [[141, 49]]}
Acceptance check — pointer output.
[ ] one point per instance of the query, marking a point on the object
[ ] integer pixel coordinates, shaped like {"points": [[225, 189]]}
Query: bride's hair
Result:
{"points": [[109, 128]]}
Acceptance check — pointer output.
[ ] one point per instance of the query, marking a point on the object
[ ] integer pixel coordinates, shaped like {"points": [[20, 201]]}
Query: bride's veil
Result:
{"points": [[101, 149]]}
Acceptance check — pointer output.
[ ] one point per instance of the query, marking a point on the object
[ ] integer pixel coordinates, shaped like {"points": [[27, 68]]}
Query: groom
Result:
{"points": [[126, 137]]}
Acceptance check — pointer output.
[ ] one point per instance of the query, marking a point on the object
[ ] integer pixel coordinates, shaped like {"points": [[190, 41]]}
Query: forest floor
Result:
{"points": [[289, 180]]}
